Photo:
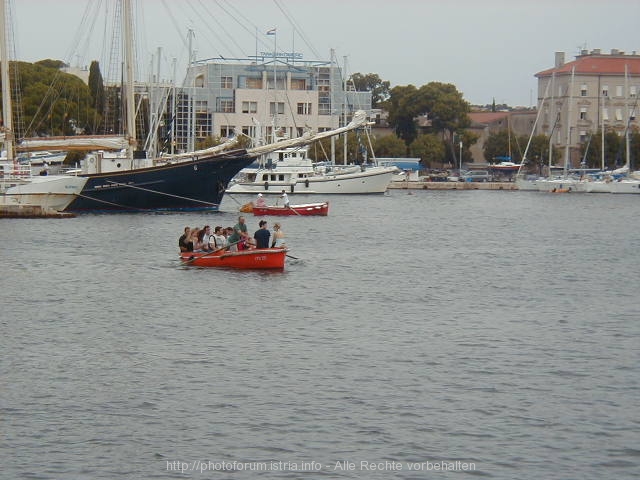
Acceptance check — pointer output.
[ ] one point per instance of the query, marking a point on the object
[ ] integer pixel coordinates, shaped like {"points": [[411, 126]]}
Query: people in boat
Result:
{"points": [[260, 201], [201, 243], [227, 232], [278, 236], [184, 242], [239, 235], [217, 240], [262, 235], [206, 234], [285, 198], [196, 239]]}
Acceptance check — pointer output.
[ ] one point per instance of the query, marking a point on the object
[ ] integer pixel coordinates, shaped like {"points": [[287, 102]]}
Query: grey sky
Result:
{"points": [[487, 49]]}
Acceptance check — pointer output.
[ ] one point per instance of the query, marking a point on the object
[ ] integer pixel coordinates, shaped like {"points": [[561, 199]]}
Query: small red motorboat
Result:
{"points": [[321, 209], [258, 259]]}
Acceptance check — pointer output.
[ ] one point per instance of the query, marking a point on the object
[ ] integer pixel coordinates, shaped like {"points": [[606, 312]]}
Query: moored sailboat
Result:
{"points": [[18, 188]]}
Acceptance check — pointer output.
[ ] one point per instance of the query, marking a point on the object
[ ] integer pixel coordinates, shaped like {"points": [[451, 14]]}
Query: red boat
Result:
{"points": [[302, 210], [257, 259]]}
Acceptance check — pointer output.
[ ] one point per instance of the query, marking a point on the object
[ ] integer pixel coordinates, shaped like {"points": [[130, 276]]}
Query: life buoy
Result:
{"points": [[266, 185]]}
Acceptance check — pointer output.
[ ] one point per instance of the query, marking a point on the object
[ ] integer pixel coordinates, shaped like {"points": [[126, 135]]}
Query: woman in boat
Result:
{"points": [[260, 201], [278, 236], [206, 238], [196, 239]]}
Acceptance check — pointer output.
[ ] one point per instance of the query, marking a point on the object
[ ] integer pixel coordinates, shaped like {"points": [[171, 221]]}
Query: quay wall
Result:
{"points": [[416, 185]]}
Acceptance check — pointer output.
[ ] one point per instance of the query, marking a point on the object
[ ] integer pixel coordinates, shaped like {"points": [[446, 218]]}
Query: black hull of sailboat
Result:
{"points": [[183, 186]]}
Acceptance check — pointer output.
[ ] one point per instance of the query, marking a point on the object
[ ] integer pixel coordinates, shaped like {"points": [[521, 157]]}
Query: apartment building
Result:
{"points": [[260, 96], [596, 90]]}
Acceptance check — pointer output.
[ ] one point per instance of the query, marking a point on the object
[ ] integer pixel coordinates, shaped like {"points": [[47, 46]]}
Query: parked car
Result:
{"points": [[478, 176]]}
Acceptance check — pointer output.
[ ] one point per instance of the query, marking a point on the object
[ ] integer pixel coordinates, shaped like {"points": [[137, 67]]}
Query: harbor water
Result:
{"points": [[421, 334]]}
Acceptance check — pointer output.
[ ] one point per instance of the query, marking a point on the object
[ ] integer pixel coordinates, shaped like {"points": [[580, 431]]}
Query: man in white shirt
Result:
{"points": [[285, 199]]}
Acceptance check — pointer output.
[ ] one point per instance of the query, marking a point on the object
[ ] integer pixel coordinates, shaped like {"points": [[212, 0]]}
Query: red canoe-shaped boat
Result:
{"points": [[302, 210], [258, 259]]}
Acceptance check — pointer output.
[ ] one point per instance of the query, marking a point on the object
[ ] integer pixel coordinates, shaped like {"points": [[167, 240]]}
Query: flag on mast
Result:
{"points": [[271, 32]]}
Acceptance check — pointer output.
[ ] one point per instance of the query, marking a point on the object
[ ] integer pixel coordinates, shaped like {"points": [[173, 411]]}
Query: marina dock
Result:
{"points": [[31, 211], [420, 185]]}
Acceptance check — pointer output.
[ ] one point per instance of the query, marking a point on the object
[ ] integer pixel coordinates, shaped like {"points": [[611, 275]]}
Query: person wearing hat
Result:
{"points": [[260, 201]]}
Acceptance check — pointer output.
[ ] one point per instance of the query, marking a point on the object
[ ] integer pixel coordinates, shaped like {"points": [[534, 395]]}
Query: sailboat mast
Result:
{"points": [[555, 120], [7, 112], [129, 76], [602, 131], [628, 118], [344, 109], [568, 120]]}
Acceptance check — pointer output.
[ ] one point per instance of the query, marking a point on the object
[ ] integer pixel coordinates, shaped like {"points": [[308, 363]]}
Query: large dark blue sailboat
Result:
{"points": [[192, 181], [197, 184]]}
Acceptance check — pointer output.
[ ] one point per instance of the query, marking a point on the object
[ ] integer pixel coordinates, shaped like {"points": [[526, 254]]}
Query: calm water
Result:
{"points": [[498, 329]]}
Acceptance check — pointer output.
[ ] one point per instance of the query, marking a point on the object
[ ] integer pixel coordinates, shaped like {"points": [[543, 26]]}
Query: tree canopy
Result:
{"points": [[51, 102], [429, 148], [389, 146], [371, 82], [440, 103]]}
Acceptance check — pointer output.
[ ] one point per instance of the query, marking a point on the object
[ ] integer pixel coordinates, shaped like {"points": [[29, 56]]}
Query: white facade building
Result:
{"points": [[257, 96]]}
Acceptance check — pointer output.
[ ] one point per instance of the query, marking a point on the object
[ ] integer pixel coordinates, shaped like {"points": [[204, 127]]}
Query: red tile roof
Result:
{"points": [[487, 117], [598, 64]]}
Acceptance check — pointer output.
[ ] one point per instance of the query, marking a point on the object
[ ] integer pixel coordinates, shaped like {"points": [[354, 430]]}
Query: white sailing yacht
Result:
{"points": [[289, 168], [18, 188]]}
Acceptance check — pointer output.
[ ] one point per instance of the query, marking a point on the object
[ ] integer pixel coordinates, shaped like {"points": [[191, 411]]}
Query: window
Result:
{"points": [[298, 84], [249, 131], [632, 91], [583, 136], [255, 83], [249, 107], [226, 130], [605, 114], [583, 113], [619, 90], [226, 82], [324, 85], [618, 114], [199, 82], [605, 90], [226, 105], [583, 91], [279, 83], [304, 109], [276, 108], [201, 106], [324, 109]]}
